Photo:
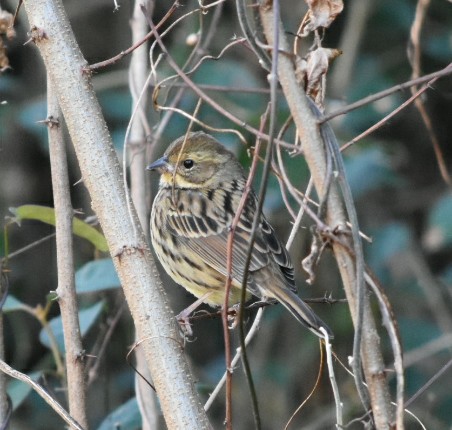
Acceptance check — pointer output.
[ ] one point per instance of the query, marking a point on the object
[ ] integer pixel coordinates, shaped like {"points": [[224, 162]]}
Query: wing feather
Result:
{"points": [[203, 228]]}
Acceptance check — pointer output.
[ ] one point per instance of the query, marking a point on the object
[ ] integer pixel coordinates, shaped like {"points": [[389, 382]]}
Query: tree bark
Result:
{"points": [[314, 152], [153, 318], [67, 298]]}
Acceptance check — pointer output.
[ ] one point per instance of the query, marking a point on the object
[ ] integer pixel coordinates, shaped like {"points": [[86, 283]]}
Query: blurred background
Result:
{"points": [[403, 204]]}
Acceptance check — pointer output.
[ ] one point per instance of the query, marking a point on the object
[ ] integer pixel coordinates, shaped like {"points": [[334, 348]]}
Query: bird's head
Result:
{"points": [[196, 161]]}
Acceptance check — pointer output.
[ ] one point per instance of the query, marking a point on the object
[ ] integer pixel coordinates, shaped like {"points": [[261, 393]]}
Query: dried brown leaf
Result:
{"points": [[311, 71], [321, 14], [6, 20]]}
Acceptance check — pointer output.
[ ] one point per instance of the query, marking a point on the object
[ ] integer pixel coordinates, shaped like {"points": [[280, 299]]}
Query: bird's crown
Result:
{"points": [[196, 160]]}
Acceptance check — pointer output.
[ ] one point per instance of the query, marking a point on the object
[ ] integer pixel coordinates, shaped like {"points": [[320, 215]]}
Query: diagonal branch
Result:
{"points": [[155, 323]]}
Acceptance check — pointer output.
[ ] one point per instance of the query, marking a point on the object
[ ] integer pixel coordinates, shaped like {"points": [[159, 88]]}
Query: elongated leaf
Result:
{"points": [[87, 317], [439, 231], [369, 170], [47, 215], [125, 417], [96, 276], [12, 304]]}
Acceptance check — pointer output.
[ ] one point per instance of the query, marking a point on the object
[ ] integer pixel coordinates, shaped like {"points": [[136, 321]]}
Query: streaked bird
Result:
{"points": [[201, 185]]}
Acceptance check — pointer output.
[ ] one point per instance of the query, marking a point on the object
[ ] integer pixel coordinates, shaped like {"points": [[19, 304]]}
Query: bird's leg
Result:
{"points": [[183, 318], [233, 316]]}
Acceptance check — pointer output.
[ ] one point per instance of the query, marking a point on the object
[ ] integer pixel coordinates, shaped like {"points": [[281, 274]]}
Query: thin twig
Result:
{"points": [[221, 88], [390, 323], [337, 398], [426, 350], [42, 392], [194, 87], [394, 112], [429, 383], [250, 335], [197, 52], [385, 93], [316, 384], [30, 246], [204, 314], [361, 301], [414, 55], [95, 360], [314, 151], [261, 54], [242, 337], [136, 45], [273, 79], [301, 211], [67, 298], [241, 352]]}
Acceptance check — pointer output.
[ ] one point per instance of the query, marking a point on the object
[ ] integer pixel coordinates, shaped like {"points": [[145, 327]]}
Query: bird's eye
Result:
{"points": [[188, 164]]}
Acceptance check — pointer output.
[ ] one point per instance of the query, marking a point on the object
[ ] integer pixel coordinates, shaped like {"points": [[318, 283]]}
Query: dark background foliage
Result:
{"points": [[403, 204]]}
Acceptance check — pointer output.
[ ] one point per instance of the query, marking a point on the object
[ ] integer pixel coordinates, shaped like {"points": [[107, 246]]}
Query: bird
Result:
{"points": [[201, 185]]}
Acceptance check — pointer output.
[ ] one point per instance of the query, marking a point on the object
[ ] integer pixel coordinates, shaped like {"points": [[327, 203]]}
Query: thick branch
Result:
{"points": [[315, 155], [100, 169]]}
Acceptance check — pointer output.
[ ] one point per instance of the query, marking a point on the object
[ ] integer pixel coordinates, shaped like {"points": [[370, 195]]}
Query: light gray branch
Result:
{"points": [[153, 318], [315, 155], [67, 298]]}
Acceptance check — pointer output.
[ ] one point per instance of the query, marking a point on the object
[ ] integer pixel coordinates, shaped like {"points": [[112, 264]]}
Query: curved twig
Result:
{"points": [[42, 393]]}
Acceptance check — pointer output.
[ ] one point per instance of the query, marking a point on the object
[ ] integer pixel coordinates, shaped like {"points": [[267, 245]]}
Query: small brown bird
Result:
{"points": [[201, 185]]}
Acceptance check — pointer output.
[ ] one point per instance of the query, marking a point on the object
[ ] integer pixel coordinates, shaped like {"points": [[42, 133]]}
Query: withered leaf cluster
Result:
{"points": [[312, 68], [6, 29]]}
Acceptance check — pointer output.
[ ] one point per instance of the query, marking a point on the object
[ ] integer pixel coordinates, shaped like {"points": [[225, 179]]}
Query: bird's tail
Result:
{"points": [[300, 310]]}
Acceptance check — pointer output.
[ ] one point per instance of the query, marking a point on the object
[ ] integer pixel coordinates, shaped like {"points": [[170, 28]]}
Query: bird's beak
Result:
{"points": [[161, 164]]}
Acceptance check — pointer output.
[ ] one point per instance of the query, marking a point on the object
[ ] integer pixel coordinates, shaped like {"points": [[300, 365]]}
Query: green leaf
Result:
{"points": [[125, 417], [96, 276], [47, 215], [368, 170], [416, 332], [233, 74], [87, 317], [446, 275], [439, 231], [387, 241], [18, 391], [12, 304]]}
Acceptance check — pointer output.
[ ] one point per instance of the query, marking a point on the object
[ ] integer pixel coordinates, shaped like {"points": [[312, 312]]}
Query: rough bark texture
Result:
{"points": [[67, 298], [100, 169], [314, 152]]}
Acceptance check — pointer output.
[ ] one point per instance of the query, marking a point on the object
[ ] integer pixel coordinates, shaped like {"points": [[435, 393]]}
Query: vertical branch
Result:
{"points": [[138, 75], [414, 55], [4, 404], [138, 72], [314, 150], [67, 299]]}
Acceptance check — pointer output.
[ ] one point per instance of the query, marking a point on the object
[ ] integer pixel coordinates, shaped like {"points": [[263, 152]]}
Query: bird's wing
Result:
{"points": [[206, 233]]}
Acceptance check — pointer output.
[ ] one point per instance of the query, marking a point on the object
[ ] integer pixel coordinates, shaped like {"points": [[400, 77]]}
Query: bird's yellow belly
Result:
{"points": [[198, 278]]}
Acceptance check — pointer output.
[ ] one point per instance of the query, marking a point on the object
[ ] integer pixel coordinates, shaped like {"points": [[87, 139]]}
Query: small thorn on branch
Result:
{"points": [[50, 122], [36, 35]]}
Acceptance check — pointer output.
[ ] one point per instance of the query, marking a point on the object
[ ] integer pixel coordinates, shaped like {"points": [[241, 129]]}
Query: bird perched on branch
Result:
{"points": [[201, 185]]}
